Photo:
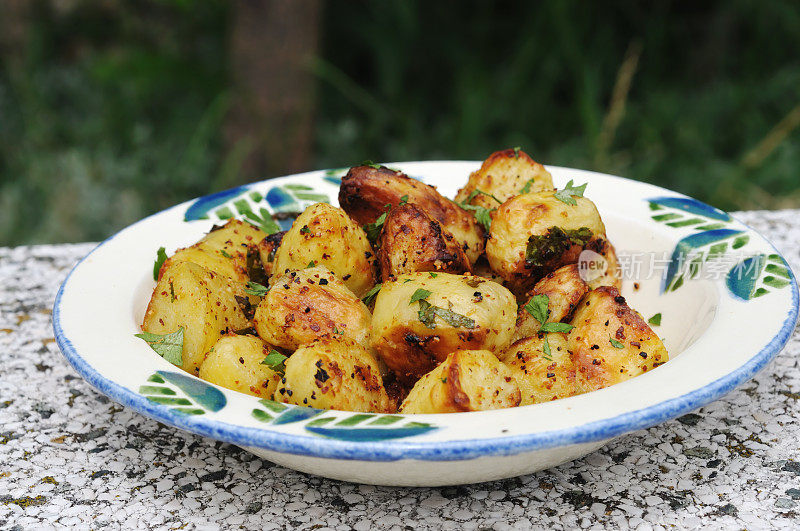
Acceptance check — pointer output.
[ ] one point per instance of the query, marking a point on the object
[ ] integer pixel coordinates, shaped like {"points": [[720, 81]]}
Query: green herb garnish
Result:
{"points": [[432, 274], [444, 380], [516, 152], [539, 308], [161, 257], [419, 295], [305, 229], [561, 328], [403, 200], [312, 263], [482, 215], [527, 188], [275, 361], [168, 346], [373, 230], [615, 343], [566, 194], [371, 294], [655, 320], [225, 254], [254, 288], [552, 244], [171, 292]]}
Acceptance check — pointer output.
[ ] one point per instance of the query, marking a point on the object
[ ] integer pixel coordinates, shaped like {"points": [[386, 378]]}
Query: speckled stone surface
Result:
{"points": [[70, 457]]}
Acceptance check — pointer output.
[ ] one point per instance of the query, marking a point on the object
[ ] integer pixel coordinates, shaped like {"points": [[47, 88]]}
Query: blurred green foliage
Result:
{"points": [[116, 109]]}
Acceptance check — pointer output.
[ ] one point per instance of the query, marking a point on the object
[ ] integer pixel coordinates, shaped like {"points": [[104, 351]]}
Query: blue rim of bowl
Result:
{"points": [[462, 449]]}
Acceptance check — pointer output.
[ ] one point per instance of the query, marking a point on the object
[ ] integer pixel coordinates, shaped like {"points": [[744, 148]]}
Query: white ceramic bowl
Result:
{"points": [[720, 327]]}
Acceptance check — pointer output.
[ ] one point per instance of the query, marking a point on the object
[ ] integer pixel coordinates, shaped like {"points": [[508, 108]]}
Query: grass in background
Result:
{"points": [[117, 109]]}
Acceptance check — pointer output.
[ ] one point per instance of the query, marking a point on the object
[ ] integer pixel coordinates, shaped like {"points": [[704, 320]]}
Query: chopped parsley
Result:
{"points": [[371, 164], [444, 380], [569, 192], [371, 294], [312, 263], [516, 149], [539, 308], [615, 343], [527, 188], [552, 244], [432, 274], [403, 200], [225, 254], [305, 229], [373, 230], [161, 257], [275, 361], [655, 320], [168, 346], [254, 288], [419, 295]]}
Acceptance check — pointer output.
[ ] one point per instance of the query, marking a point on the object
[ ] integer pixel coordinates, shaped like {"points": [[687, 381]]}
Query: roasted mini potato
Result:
{"points": [[611, 342], [334, 373], [467, 380], [542, 377], [413, 241], [223, 250], [503, 175], [611, 274], [202, 302], [533, 234], [234, 362], [564, 288], [267, 249], [420, 318], [324, 235], [304, 305], [366, 191]]}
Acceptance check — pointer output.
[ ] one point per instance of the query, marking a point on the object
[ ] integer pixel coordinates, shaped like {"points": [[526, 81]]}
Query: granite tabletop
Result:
{"points": [[70, 457]]}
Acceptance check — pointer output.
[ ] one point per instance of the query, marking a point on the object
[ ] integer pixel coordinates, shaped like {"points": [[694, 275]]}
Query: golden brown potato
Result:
{"points": [[366, 191], [223, 250], [564, 289], [505, 174], [267, 249], [202, 302], [324, 235], [304, 305], [611, 275], [467, 380], [458, 312], [234, 362], [542, 377], [334, 373], [611, 342], [533, 234], [413, 241]]}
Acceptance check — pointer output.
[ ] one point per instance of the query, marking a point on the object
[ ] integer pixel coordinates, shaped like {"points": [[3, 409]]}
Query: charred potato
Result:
{"points": [[413, 241], [366, 191], [304, 305], [267, 249], [542, 377], [533, 234], [224, 250], [503, 175], [611, 342], [324, 235], [564, 288], [420, 318], [203, 302], [467, 380], [234, 362], [334, 373]]}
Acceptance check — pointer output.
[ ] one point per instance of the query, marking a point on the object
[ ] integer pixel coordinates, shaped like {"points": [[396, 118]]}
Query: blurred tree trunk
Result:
{"points": [[272, 113]]}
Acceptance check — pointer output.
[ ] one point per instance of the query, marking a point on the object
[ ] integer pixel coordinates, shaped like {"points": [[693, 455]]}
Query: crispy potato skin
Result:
{"points": [[413, 241], [365, 192], [304, 305], [411, 349], [325, 235], [267, 249], [334, 373], [504, 174], [601, 316], [202, 302], [564, 288], [541, 379], [234, 362], [527, 215], [467, 380], [223, 250]]}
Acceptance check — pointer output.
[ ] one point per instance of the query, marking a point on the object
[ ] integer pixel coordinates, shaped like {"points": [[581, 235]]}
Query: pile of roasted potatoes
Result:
{"points": [[402, 300]]}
